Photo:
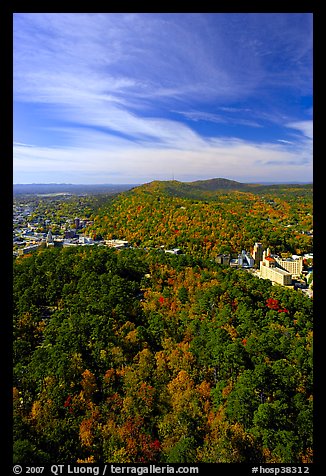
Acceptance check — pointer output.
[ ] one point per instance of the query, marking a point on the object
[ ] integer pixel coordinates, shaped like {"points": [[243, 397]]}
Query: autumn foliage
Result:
{"points": [[140, 356], [208, 223]]}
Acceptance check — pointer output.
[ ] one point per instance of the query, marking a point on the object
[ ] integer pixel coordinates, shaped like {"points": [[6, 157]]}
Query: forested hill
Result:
{"points": [[206, 222], [138, 357], [195, 189], [208, 189]]}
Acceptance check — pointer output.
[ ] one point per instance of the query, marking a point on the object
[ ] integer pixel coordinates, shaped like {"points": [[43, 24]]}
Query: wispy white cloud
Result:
{"points": [[233, 118], [111, 84], [305, 127], [285, 141], [202, 116], [101, 160], [22, 144], [168, 56]]}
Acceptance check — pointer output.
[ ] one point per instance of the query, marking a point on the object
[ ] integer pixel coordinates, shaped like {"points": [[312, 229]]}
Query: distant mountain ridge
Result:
{"points": [[204, 185], [206, 188], [195, 189], [218, 184]]}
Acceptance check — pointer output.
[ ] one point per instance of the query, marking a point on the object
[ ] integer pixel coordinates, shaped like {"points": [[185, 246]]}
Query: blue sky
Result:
{"points": [[135, 97]]}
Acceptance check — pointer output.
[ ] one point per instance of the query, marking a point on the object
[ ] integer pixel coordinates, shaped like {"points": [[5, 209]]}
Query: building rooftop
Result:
{"points": [[281, 271]]}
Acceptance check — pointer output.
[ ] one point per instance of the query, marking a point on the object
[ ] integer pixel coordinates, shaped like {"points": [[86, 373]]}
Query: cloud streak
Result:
{"points": [[129, 163], [137, 95]]}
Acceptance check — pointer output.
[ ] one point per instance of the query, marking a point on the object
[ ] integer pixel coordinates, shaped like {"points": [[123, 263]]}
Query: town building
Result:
{"points": [[70, 234], [68, 243], [84, 240], [49, 239], [269, 269], [244, 260], [27, 249], [292, 265], [257, 253], [223, 259], [118, 244]]}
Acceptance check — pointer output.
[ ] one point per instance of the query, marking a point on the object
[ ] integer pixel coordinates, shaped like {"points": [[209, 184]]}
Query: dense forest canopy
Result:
{"points": [[204, 221], [137, 356], [140, 356]]}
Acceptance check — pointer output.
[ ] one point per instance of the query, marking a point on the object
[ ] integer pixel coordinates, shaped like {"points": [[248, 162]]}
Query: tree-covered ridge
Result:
{"points": [[208, 189], [227, 221], [135, 357], [198, 189]]}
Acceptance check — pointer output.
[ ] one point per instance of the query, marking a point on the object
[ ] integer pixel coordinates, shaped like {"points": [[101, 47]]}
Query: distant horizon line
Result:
{"points": [[168, 180]]}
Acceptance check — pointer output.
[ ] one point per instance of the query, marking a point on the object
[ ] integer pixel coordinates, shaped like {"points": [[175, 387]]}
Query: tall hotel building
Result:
{"points": [[257, 253], [293, 266], [275, 268], [270, 270]]}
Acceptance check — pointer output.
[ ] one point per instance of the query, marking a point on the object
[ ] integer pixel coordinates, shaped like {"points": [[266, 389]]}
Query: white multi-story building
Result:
{"points": [[270, 270], [275, 268], [292, 265]]}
